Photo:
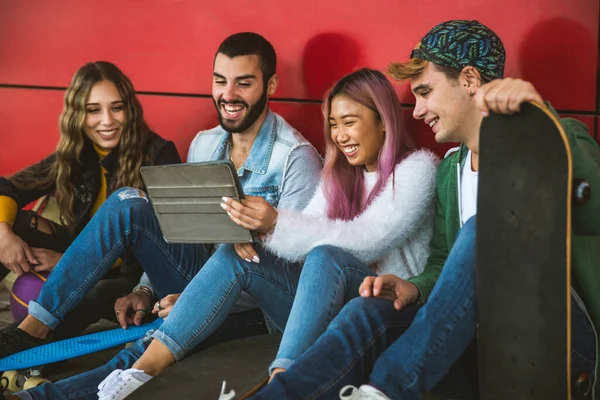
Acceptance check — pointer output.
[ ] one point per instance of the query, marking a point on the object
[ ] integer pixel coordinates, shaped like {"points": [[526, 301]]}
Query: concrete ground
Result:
{"points": [[85, 363]]}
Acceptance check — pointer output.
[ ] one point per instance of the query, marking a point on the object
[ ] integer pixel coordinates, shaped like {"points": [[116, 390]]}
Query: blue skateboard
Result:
{"points": [[64, 350]]}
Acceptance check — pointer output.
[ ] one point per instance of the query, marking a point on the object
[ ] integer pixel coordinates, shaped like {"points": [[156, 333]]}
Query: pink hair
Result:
{"points": [[343, 183]]}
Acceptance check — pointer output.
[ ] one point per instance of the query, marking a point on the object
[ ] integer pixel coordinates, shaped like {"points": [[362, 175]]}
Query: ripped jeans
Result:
{"points": [[124, 222]]}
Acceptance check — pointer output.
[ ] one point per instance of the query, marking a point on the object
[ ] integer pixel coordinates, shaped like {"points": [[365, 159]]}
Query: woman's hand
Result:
{"points": [[164, 306], [253, 213], [15, 254], [47, 259], [247, 252]]}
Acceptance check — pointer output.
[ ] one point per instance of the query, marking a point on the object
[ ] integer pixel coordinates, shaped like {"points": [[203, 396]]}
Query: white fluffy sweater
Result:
{"points": [[393, 231]]}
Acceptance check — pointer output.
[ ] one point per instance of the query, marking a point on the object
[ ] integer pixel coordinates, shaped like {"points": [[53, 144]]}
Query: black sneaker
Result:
{"points": [[15, 340]]}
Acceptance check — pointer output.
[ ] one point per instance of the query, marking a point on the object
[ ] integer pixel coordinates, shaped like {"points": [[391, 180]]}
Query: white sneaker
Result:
{"points": [[226, 396], [365, 392], [119, 384]]}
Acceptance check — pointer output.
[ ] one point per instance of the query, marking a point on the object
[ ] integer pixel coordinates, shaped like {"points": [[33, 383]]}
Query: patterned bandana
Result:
{"points": [[460, 43]]}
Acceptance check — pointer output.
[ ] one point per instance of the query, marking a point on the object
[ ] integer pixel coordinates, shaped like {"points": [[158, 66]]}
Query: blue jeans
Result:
{"points": [[327, 280], [310, 295], [124, 222], [85, 386], [405, 352]]}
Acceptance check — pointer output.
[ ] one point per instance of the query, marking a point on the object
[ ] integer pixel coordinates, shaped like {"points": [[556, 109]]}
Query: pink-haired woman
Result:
{"points": [[372, 214]]}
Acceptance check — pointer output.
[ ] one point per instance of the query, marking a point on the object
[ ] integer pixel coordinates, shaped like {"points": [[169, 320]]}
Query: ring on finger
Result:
{"points": [[159, 306]]}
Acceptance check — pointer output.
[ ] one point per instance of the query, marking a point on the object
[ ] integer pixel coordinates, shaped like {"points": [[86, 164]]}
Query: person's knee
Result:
{"points": [[469, 229], [327, 255], [471, 223], [358, 307], [129, 199], [360, 304], [355, 313], [226, 257]]}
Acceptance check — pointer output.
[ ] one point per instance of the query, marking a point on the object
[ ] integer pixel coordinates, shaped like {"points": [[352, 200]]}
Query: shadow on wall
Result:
{"points": [[560, 57], [326, 58]]}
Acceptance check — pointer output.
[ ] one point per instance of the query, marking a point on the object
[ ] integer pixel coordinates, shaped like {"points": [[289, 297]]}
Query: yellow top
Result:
{"points": [[8, 210], [8, 207], [102, 192]]}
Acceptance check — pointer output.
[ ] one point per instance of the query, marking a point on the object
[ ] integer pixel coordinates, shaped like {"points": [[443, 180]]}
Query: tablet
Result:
{"points": [[186, 199]]}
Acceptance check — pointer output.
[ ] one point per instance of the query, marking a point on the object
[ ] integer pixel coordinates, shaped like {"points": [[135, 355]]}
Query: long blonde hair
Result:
{"points": [[130, 150]]}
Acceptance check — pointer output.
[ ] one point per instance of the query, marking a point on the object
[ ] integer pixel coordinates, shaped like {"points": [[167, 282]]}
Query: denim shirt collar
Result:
{"points": [[262, 148]]}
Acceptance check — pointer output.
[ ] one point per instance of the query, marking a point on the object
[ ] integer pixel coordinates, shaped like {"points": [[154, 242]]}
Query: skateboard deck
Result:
{"points": [[75, 347], [524, 257], [243, 363]]}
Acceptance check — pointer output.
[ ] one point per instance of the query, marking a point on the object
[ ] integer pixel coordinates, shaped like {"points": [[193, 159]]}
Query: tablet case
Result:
{"points": [[186, 199]]}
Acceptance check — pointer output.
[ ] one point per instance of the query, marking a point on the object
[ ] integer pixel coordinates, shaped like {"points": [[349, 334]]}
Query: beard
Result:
{"points": [[253, 112]]}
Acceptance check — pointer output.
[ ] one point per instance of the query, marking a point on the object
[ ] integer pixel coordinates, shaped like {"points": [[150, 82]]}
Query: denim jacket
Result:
{"points": [[282, 167]]}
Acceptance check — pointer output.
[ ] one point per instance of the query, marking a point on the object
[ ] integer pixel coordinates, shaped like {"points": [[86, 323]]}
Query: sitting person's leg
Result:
{"points": [[344, 354], [207, 300], [43, 234], [330, 278], [125, 221], [441, 331], [85, 386], [445, 327]]}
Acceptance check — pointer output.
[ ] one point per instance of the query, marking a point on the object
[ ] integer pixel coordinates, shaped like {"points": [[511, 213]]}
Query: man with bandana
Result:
{"points": [[401, 337]]}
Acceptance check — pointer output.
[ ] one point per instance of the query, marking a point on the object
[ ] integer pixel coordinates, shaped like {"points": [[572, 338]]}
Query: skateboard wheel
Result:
{"points": [[581, 191], [13, 381], [33, 382], [582, 384]]}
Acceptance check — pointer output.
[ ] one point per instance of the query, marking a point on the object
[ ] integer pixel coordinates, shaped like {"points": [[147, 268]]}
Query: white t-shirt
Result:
{"points": [[468, 190]]}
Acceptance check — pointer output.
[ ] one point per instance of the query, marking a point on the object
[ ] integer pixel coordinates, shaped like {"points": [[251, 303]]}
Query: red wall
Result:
{"points": [[167, 47]]}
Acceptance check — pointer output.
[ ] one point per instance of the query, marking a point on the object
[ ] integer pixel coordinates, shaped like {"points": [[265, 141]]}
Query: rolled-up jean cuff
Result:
{"points": [[23, 395], [42, 315], [175, 349], [283, 363]]}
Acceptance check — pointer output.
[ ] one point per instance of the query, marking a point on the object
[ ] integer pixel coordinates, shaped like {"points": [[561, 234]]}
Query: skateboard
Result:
{"points": [[24, 370], [524, 256], [243, 363]]}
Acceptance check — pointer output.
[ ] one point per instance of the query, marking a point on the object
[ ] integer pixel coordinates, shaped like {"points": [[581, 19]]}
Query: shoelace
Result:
{"points": [[109, 380], [351, 395], [226, 396], [118, 382]]}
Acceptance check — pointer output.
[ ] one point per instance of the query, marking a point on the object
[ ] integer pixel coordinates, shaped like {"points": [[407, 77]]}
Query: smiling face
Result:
{"points": [[104, 115], [239, 92], [357, 131], [442, 103]]}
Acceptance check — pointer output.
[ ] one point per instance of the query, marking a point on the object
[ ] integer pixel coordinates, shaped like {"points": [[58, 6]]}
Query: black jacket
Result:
{"points": [[86, 180]]}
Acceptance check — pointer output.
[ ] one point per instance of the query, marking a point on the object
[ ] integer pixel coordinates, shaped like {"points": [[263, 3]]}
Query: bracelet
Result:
{"points": [[146, 290]]}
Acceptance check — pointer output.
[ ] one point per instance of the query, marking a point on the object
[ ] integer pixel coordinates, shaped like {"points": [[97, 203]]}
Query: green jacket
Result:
{"points": [[585, 243]]}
